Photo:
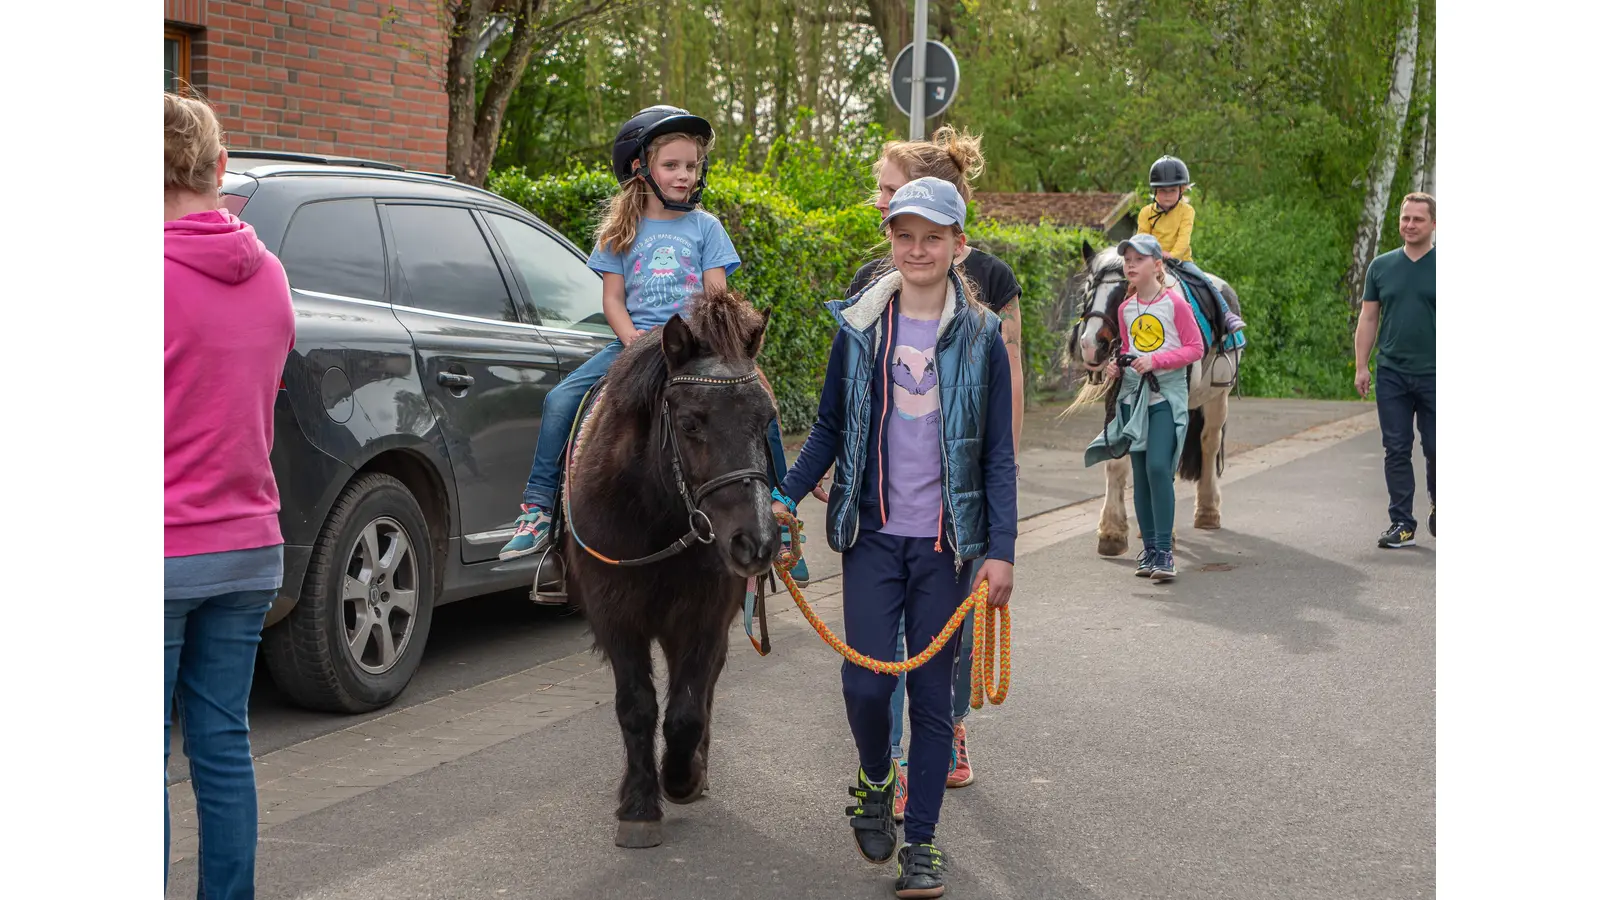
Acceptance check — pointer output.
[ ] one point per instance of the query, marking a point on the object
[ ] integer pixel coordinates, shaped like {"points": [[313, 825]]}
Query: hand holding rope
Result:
{"points": [[991, 658]]}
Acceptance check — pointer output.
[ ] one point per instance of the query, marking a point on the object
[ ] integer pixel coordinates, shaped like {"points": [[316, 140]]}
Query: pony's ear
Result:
{"points": [[678, 343], [752, 344], [1088, 252]]}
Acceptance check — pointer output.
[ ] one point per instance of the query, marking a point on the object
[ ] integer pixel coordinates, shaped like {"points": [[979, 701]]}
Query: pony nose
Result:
{"points": [[753, 550]]}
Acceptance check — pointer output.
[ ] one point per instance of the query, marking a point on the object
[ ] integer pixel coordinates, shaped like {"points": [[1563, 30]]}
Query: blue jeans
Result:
{"points": [[560, 408], [210, 662], [961, 690], [1402, 398]]}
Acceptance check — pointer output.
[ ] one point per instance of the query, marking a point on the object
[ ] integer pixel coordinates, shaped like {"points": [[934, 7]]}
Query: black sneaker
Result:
{"points": [[1162, 567], [1398, 536], [872, 818], [1432, 510], [1146, 562], [921, 872]]}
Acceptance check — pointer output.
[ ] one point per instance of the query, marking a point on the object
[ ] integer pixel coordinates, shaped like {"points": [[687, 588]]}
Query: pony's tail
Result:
{"points": [[1189, 463]]}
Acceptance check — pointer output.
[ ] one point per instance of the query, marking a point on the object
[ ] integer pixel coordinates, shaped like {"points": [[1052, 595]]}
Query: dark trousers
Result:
{"points": [[1402, 398], [886, 577]]}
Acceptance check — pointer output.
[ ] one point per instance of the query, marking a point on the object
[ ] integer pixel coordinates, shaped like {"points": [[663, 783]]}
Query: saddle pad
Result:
{"points": [[1232, 341]]}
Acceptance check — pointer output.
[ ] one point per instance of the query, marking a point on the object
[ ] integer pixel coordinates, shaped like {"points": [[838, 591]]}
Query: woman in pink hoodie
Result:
{"points": [[229, 329]]}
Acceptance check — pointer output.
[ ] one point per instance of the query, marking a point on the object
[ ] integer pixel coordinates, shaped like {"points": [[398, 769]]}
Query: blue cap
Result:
{"points": [[933, 199], [1144, 243]]}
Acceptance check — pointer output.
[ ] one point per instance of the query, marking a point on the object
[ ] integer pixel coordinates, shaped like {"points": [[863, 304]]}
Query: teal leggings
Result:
{"points": [[1153, 500]]}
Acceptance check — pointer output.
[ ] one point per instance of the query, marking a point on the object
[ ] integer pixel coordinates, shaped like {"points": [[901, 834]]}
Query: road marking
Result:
{"points": [[313, 775]]}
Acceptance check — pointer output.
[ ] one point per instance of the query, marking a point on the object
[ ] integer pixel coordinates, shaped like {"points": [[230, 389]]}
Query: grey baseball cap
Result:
{"points": [[1144, 243], [933, 199]]}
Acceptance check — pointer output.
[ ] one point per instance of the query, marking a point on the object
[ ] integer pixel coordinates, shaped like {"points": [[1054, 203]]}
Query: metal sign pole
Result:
{"points": [[919, 71]]}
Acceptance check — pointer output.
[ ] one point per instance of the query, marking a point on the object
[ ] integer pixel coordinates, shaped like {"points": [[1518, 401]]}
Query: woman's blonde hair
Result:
{"points": [[193, 145], [956, 157], [620, 224]]}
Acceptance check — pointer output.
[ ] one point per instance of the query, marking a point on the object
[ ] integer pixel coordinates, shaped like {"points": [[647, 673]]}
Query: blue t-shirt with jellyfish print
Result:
{"points": [[663, 268]]}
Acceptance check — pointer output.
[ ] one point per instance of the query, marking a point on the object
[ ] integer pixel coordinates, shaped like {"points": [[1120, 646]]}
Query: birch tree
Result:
{"points": [[1422, 144], [1381, 173]]}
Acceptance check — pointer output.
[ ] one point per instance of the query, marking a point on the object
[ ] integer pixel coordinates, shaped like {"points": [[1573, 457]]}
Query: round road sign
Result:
{"points": [[943, 77]]}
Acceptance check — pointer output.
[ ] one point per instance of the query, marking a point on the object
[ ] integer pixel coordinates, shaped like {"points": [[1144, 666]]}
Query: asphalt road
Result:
{"points": [[1264, 727]]}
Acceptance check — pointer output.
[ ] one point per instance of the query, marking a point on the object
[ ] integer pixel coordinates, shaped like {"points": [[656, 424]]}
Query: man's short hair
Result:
{"points": [[1420, 197]]}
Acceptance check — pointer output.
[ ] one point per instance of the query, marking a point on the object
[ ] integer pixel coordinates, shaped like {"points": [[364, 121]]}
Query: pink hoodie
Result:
{"points": [[229, 329]]}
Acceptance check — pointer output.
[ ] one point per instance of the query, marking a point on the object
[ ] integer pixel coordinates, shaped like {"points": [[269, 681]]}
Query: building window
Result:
{"points": [[177, 61]]}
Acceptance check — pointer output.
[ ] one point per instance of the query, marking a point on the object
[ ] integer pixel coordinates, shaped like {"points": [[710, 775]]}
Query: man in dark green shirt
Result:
{"points": [[1397, 312]]}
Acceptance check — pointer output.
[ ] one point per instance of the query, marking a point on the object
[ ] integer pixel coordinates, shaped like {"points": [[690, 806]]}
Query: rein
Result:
{"points": [[700, 528], [991, 658]]}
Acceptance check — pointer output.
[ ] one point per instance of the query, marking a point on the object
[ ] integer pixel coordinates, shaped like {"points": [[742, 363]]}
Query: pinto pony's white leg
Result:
{"points": [[1113, 530], [1208, 493]]}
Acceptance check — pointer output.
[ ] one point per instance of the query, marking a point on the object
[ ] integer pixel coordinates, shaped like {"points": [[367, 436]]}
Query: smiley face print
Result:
{"points": [[1148, 333]]}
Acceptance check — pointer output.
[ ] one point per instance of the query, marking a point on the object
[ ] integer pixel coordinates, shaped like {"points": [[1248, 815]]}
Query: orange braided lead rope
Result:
{"points": [[987, 683]]}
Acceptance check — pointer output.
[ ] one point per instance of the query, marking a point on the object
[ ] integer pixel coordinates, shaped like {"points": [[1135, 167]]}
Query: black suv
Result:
{"points": [[431, 318]]}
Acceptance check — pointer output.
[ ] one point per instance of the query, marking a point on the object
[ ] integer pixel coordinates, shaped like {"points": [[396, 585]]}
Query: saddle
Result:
{"points": [[1207, 305]]}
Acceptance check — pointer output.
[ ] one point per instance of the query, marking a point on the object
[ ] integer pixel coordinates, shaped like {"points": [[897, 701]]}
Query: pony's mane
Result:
{"points": [[723, 323]]}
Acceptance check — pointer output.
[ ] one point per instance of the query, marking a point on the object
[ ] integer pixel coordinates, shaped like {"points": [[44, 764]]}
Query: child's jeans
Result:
{"points": [[886, 577], [1153, 496], [560, 408]]}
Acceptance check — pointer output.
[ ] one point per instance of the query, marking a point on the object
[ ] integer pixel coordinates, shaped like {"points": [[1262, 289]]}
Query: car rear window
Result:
{"points": [[336, 247]]}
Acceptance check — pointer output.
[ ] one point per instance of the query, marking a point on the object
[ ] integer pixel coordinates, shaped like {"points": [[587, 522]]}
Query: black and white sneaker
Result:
{"points": [[921, 872], [1398, 536], [1147, 560], [872, 818]]}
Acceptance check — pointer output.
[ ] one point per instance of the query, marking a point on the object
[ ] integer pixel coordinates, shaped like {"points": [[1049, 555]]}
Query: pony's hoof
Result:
{"points": [[638, 835], [1111, 545], [1209, 520], [694, 793]]}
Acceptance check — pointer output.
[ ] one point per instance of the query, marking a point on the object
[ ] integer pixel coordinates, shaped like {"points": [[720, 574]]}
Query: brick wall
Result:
{"points": [[347, 77]]}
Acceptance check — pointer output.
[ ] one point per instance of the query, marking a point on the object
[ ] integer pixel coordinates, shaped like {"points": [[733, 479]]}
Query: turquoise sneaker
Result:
{"points": [[800, 574], [533, 533]]}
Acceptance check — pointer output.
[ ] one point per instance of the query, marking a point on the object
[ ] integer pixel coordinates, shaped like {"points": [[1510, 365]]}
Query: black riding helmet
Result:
{"points": [[1169, 171], [633, 143]]}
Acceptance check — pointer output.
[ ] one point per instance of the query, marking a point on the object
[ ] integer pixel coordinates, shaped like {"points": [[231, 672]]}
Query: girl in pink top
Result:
{"points": [[1160, 340]]}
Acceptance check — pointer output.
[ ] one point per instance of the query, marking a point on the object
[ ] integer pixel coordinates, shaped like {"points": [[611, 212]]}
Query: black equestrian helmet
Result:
{"points": [[1169, 171], [635, 135]]}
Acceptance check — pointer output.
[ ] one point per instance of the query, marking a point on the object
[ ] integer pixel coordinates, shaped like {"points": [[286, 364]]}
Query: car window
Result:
{"points": [[564, 290], [335, 247], [445, 263]]}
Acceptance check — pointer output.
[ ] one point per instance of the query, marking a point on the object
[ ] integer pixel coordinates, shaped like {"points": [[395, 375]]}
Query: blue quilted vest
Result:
{"points": [[961, 359]]}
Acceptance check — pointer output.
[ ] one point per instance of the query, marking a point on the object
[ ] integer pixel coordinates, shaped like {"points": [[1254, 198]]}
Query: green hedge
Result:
{"points": [[795, 259], [1285, 260]]}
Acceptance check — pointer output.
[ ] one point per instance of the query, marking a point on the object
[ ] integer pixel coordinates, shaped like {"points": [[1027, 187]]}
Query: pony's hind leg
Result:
{"points": [[639, 798], [694, 668], [1208, 493], [1113, 529]]}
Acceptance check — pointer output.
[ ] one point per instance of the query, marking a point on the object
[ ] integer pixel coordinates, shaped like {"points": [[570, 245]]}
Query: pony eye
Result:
{"points": [[689, 424]]}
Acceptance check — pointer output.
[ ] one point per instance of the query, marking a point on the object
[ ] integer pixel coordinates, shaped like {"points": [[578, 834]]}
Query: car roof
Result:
{"points": [[262, 164]]}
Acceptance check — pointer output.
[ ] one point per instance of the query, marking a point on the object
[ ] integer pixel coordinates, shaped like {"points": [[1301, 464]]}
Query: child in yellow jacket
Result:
{"points": [[1171, 219]]}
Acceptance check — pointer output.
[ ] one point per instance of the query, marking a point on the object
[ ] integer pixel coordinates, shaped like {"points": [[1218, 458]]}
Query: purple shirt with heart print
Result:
{"points": [[911, 464]]}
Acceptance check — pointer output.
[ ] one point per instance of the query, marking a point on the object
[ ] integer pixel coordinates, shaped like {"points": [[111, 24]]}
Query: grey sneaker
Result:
{"points": [[1146, 562], [1163, 568]]}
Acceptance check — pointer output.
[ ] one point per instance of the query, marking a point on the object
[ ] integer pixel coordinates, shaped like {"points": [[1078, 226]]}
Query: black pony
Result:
{"points": [[669, 515]]}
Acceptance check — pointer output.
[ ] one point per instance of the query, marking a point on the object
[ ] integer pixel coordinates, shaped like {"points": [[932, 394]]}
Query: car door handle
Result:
{"points": [[455, 380]]}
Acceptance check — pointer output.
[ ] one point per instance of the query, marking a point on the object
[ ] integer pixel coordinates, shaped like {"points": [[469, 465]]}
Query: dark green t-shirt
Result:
{"points": [[1404, 291]]}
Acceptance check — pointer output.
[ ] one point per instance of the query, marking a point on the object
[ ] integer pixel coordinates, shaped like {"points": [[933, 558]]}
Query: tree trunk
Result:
{"points": [[461, 86], [1381, 173], [1422, 146]]}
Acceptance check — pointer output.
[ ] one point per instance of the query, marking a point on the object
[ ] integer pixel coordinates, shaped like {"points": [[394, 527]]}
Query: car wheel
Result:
{"points": [[355, 638]]}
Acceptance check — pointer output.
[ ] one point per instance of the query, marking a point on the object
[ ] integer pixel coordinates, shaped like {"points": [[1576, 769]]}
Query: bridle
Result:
{"points": [[700, 529], [1086, 312]]}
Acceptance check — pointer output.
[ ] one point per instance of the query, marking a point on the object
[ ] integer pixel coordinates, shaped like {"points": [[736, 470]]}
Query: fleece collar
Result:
{"points": [[863, 310]]}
